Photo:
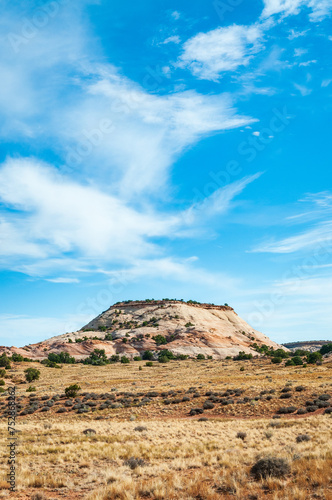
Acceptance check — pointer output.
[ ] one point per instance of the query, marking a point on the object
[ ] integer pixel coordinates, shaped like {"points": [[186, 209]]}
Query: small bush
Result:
{"points": [[276, 360], [31, 374], [72, 390], [200, 356], [3, 373], [115, 358], [285, 410], [2, 382], [148, 363], [125, 360], [241, 435], [140, 368], [270, 467], [163, 359], [140, 428], [302, 437], [148, 355], [31, 389], [300, 388], [137, 358], [133, 462]]}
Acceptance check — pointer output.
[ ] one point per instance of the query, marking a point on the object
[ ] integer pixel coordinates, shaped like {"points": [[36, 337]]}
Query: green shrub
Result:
{"points": [[242, 356], [163, 359], [4, 361], [289, 362], [325, 349], [313, 357], [167, 353], [97, 358], [297, 360], [242, 369], [125, 360], [72, 390], [140, 368], [160, 339], [200, 356], [63, 357], [108, 336], [137, 358], [3, 373], [181, 356], [276, 360], [115, 358], [31, 388], [148, 355], [17, 358], [32, 374], [187, 325], [2, 382], [149, 363]]}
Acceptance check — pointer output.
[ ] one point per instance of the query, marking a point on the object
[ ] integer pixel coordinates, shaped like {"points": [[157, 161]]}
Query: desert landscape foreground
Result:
{"points": [[190, 429]]}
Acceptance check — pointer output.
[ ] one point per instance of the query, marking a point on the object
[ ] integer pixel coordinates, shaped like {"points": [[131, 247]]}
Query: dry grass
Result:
{"points": [[184, 458]]}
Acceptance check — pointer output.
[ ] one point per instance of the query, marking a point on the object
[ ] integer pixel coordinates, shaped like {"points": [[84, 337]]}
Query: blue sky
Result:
{"points": [[165, 149]]}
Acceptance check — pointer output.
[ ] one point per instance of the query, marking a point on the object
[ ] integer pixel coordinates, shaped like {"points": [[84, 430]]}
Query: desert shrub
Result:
{"points": [[325, 349], [160, 339], [209, 357], [289, 362], [242, 356], [196, 411], [268, 434], [167, 353], [324, 397], [148, 355], [302, 437], [270, 467], [3, 373], [31, 389], [328, 411], [312, 408], [137, 358], [300, 388], [286, 409], [187, 325], [163, 359], [31, 374], [63, 357], [203, 419], [181, 357], [241, 435], [208, 405], [17, 358], [140, 428], [115, 358], [72, 390], [200, 356], [242, 369], [140, 368], [302, 411], [276, 360], [2, 382], [97, 357], [133, 463], [286, 395], [313, 357], [297, 360], [4, 361], [149, 363], [125, 360], [89, 432]]}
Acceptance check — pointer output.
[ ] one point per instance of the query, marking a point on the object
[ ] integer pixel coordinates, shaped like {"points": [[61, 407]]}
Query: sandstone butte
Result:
{"points": [[189, 328]]}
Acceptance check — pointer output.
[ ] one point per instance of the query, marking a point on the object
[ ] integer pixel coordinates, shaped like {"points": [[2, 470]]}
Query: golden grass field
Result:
{"points": [[184, 458]]}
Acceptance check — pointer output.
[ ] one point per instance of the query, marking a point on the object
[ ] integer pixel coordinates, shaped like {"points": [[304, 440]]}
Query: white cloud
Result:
{"points": [[172, 39], [58, 225], [209, 55], [300, 51], [176, 15], [64, 280], [319, 237], [319, 9]]}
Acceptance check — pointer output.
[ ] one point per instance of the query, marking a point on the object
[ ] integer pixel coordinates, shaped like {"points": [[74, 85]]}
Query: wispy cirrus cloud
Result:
{"points": [[319, 9]]}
